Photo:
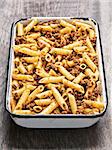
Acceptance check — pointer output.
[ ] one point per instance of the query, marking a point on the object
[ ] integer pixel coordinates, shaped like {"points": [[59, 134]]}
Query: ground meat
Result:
{"points": [[20, 40], [30, 106], [78, 95]]}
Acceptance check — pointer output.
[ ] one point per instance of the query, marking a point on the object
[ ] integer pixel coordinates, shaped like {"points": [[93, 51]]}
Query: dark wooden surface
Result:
{"points": [[14, 137]]}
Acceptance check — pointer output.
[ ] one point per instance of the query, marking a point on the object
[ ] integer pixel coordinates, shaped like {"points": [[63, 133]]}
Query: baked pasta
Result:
{"points": [[56, 68]]}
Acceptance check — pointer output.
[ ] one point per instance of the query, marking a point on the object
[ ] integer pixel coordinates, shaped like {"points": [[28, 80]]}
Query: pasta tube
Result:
{"points": [[32, 96], [27, 51], [59, 98], [30, 87], [45, 50], [13, 104], [95, 104], [46, 40], [22, 77], [79, 78], [23, 112], [30, 25], [21, 68], [44, 28], [89, 62], [30, 68], [90, 45], [51, 79], [37, 109], [15, 84], [44, 94], [42, 73], [52, 73], [73, 85], [49, 108], [63, 71], [73, 104], [22, 99], [34, 35], [66, 24], [30, 59], [20, 29], [60, 51], [17, 93], [32, 46], [65, 30], [43, 102], [71, 46]]}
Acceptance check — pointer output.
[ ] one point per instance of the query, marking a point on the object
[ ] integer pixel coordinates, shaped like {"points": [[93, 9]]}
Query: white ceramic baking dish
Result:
{"points": [[55, 120]]}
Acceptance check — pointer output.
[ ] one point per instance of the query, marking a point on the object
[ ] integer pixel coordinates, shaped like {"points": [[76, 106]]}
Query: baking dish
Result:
{"points": [[56, 121]]}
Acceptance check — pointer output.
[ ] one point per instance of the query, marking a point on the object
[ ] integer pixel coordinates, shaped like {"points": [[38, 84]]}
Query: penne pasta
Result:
{"points": [[21, 68], [20, 29], [89, 90], [22, 100], [89, 62], [45, 50], [60, 51], [18, 93], [30, 59], [26, 51], [34, 35], [30, 68], [22, 77], [32, 96], [15, 71], [88, 42], [94, 76], [51, 79], [37, 109], [65, 30], [66, 24], [91, 33], [70, 63], [79, 78], [59, 98], [73, 104], [30, 87], [30, 25], [44, 28], [73, 85], [13, 104], [46, 40], [63, 71], [69, 90], [83, 66], [31, 46], [48, 57], [80, 49], [49, 108], [15, 84], [23, 112], [81, 24], [52, 73], [45, 94], [43, 102], [95, 104], [74, 44], [42, 73]]}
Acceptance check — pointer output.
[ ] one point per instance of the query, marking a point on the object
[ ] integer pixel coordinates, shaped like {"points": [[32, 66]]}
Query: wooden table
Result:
{"points": [[14, 137]]}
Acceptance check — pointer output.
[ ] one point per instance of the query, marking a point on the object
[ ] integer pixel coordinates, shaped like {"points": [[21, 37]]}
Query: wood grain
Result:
{"points": [[14, 137]]}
